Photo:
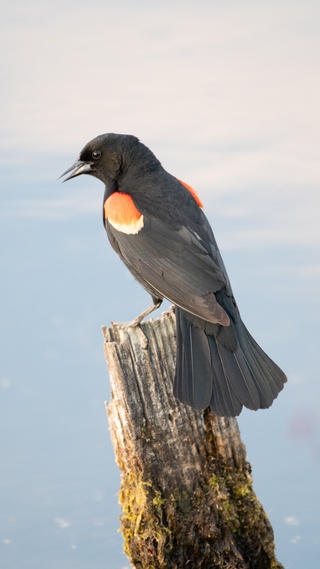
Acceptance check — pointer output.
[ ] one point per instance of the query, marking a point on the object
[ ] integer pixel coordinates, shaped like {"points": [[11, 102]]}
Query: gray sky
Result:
{"points": [[226, 93], [227, 96]]}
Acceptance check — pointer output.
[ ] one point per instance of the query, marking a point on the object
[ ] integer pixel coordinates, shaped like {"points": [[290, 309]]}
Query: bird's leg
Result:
{"points": [[135, 323], [138, 319]]}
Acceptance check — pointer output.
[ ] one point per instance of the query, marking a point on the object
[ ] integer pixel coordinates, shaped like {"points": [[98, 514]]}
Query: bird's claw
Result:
{"points": [[132, 324], [135, 323]]}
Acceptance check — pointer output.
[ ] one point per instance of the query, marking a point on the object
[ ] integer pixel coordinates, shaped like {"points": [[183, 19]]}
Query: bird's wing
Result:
{"points": [[175, 262]]}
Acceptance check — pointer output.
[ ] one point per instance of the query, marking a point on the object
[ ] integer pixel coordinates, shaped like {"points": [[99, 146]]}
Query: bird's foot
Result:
{"points": [[135, 323], [132, 324]]}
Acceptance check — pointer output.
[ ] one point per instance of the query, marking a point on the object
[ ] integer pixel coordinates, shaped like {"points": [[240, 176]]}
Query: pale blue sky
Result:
{"points": [[227, 96]]}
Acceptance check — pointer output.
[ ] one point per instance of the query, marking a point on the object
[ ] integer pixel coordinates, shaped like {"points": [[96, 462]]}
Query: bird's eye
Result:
{"points": [[96, 154]]}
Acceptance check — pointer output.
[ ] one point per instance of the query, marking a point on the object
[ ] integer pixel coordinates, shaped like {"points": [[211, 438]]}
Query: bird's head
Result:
{"points": [[106, 157]]}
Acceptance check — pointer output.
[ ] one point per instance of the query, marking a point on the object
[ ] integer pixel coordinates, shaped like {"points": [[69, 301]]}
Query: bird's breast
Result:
{"points": [[122, 214]]}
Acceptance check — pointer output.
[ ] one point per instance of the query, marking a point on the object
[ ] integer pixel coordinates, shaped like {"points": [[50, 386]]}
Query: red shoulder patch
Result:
{"points": [[193, 193], [121, 212]]}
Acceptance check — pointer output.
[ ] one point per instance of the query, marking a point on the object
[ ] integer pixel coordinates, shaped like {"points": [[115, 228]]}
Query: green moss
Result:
{"points": [[214, 482], [158, 500], [142, 522], [185, 525]]}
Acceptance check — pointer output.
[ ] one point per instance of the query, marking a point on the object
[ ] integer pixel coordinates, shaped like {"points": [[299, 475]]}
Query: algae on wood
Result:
{"points": [[186, 489]]}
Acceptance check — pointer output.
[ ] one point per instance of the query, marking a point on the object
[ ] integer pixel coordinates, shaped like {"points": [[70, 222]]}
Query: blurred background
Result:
{"points": [[226, 94]]}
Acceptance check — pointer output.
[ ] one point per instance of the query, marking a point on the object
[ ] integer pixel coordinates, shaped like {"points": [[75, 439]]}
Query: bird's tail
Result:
{"points": [[223, 368]]}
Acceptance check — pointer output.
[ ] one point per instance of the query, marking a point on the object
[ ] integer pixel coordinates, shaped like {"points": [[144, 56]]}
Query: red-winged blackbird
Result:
{"points": [[157, 226]]}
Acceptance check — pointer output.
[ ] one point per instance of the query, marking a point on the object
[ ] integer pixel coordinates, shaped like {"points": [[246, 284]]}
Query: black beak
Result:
{"points": [[77, 169]]}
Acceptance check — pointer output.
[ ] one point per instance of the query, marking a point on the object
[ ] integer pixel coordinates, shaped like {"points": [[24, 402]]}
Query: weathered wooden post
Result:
{"points": [[186, 491]]}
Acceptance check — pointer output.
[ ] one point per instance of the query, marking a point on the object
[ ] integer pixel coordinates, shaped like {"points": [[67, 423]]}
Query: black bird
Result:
{"points": [[157, 226]]}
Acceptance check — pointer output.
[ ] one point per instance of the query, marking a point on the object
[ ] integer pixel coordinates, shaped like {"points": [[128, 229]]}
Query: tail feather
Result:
{"points": [[240, 376], [189, 345], [223, 399], [226, 377], [271, 377]]}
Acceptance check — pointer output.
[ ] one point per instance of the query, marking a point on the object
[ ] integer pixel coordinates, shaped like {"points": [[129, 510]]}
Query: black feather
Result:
{"points": [[174, 255], [241, 372]]}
